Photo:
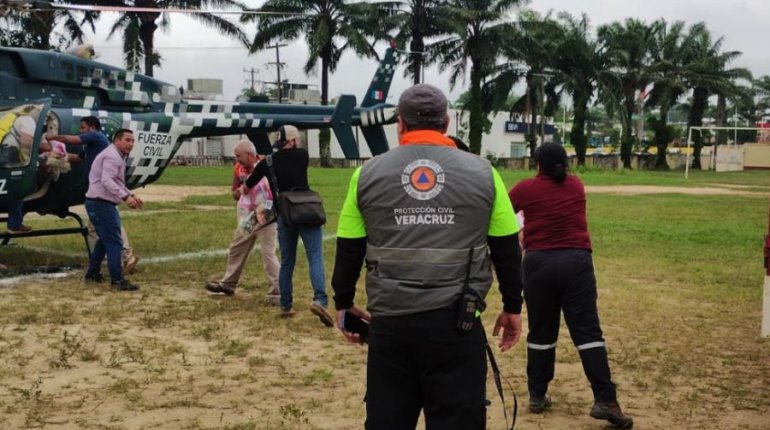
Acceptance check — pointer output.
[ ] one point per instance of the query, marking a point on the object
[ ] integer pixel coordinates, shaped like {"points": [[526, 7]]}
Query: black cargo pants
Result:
{"points": [[556, 281], [421, 361]]}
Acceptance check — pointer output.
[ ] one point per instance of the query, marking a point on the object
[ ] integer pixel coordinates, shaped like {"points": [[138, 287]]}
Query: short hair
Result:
{"points": [[92, 121], [246, 146], [423, 106], [118, 134]]}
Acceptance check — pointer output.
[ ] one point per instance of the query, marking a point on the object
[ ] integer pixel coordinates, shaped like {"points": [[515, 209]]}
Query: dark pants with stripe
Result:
{"points": [[556, 281], [421, 361]]}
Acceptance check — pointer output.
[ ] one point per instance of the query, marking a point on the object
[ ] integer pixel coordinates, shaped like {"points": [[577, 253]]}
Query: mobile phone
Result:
{"points": [[355, 324]]}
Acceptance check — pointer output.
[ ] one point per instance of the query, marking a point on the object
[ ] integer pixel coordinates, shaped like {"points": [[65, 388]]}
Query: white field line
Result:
{"points": [[151, 260], [7, 282], [202, 254]]}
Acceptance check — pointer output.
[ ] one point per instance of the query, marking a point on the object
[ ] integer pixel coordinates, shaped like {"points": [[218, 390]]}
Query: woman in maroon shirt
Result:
{"points": [[559, 276]]}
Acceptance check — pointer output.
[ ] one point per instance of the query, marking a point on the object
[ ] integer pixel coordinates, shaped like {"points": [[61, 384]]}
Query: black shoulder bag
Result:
{"points": [[297, 208]]}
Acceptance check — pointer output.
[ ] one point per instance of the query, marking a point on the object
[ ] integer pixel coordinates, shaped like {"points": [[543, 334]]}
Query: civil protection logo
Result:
{"points": [[423, 179]]}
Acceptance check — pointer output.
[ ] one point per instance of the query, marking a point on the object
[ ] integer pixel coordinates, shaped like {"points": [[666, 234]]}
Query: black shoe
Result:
{"points": [[538, 405], [218, 287], [94, 278], [611, 412], [124, 285]]}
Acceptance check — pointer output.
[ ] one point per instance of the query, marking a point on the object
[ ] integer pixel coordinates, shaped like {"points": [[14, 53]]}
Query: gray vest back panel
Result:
{"points": [[425, 207]]}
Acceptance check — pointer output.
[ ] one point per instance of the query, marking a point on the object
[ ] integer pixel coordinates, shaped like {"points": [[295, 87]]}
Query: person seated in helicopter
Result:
{"points": [[17, 140], [15, 151]]}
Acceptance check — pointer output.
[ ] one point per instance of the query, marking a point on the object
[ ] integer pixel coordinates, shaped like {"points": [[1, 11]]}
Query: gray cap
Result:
{"points": [[422, 104]]}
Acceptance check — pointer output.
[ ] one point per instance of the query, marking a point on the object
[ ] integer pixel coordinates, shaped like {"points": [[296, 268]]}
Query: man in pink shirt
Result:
{"points": [[106, 190]]}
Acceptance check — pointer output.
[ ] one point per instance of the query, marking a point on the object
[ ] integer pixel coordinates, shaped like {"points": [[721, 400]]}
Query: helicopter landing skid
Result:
{"points": [[6, 236]]}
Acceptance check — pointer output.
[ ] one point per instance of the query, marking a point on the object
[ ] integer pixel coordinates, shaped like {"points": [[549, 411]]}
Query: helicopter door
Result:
{"points": [[21, 130]]}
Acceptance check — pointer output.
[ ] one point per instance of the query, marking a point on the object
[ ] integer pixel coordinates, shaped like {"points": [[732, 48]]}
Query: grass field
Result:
{"points": [[680, 289]]}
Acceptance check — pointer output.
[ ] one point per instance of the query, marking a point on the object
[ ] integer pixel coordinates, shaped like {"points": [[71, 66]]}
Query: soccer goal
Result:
{"points": [[759, 130]]}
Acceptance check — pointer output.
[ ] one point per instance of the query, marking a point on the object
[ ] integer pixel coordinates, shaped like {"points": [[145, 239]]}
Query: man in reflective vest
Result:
{"points": [[427, 218]]}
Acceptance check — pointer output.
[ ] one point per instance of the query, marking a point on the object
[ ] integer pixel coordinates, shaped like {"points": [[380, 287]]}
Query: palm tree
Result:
{"points": [[667, 75], [580, 68], [138, 28], [37, 29], [329, 27], [479, 30], [414, 22], [708, 74], [629, 47], [531, 51]]}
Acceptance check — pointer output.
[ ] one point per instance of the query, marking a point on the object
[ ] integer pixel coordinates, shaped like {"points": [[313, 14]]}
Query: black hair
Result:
{"points": [[552, 159], [92, 121], [118, 134], [426, 125]]}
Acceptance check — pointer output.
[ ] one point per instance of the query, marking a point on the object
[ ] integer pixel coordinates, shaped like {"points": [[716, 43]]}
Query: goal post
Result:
{"points": [[701, 128]]}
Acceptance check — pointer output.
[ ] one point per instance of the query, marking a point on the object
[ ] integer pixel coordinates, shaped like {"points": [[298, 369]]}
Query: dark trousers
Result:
{"points": [[15, 215], [556, 281], [421, 361], [106, 220]]}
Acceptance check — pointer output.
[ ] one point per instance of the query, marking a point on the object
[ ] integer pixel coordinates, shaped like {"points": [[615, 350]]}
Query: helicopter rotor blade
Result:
{"points": [[39, 5]]}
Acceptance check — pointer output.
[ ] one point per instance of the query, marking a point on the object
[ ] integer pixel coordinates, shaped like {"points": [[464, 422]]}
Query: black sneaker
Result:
{"points": [[124, 285], [538, 405], [611, 412], [92, 278]]}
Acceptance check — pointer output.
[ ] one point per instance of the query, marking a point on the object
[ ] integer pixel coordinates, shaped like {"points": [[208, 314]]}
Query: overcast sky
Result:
{"points": [[190, 50]]}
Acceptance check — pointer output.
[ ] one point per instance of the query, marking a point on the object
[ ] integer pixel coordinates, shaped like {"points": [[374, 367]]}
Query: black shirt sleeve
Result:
{"points": [[260, 171], [347, 268], [506, 257]]}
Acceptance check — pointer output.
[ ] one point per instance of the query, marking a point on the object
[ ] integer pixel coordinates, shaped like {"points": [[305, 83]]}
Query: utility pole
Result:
{"points": [[251, 81], [278, 66]]}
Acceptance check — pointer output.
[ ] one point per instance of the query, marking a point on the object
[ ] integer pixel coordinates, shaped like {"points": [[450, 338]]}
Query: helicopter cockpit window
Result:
{"points": [[17, 134]]}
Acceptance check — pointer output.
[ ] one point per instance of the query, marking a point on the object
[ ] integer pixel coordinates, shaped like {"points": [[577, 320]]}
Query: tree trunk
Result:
{"points": [[699, 104], [146, 35], [418, 47], [324, 136], [476, 121], [531, 135], [42, 23], [662, 138], [578, 134], [720, 119], [627, 142]]}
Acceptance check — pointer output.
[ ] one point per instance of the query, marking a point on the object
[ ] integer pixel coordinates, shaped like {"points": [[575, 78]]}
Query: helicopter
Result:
{"points": [[53, 91]]}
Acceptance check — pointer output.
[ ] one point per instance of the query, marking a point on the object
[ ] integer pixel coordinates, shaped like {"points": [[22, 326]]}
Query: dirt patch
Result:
{"points": [[175, 193]]}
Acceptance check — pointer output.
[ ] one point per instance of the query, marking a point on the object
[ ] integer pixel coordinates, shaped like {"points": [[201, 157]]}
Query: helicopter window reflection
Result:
{"points": [[9, 66], [69, 71], [17, 134]]}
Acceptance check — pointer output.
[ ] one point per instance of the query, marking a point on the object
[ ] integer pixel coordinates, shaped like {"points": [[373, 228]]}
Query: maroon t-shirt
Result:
{"points": [[554, 213]]}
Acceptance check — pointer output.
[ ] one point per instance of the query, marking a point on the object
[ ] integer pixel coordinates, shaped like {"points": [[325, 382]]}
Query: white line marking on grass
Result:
{"points": [[7, 282], [203, 254], [161, 258]]}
